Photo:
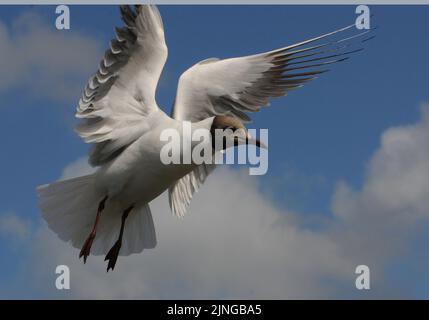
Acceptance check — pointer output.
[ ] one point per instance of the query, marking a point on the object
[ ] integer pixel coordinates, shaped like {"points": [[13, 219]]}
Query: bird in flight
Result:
{"points": [[107, 213]]}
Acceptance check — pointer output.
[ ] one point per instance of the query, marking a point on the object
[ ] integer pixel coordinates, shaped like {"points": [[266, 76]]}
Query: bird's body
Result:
{"points": [[122, 121], [138, 175]]}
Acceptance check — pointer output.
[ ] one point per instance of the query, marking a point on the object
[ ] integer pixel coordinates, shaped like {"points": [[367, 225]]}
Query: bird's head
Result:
{"points": [[229, 132]]}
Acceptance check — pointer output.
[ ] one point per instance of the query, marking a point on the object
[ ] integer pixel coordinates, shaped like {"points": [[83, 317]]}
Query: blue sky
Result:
{"points": [[321, 134]]}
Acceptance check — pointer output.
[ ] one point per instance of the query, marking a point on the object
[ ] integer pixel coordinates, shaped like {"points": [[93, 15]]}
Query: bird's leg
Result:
{"points": [[86, 248], [113, 253]]}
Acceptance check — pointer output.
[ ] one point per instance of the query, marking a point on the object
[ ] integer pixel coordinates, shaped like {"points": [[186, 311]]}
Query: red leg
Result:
{"points": [[86, 248], [113, 253]]}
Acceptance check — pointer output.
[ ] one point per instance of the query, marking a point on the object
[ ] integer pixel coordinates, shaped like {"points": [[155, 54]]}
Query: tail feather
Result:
{"points": [[70, 206]]}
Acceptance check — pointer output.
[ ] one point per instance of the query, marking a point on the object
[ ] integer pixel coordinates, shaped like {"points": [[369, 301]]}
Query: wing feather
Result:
{"points": [[121, 94], [237, 86], [181, 192]]}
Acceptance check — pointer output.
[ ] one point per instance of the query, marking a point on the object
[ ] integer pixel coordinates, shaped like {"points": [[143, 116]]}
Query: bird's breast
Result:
{"points": [[138, 175]]}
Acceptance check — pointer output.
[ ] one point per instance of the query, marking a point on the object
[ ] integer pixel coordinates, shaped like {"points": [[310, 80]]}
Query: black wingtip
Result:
{"points": [[368, 39]]}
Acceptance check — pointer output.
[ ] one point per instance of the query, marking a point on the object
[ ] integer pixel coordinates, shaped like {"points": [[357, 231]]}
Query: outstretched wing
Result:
{"points": [[119, 97], [237, 86]]}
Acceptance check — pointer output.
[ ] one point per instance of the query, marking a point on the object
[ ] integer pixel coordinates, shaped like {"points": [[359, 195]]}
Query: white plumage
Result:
{"points": [[123, 122]]}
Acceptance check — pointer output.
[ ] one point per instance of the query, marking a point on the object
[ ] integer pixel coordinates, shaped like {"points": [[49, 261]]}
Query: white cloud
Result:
{"points": [[235, 244], [376, 220], [40, 60], [14, 227], [79, 167]]}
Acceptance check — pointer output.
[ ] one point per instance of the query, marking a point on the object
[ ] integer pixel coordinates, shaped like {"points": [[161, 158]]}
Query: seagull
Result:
{"points": [[107, 212]]}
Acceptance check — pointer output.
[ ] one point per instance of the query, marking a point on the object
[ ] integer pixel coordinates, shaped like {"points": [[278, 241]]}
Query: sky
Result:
{"points": [[348, 161]]}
